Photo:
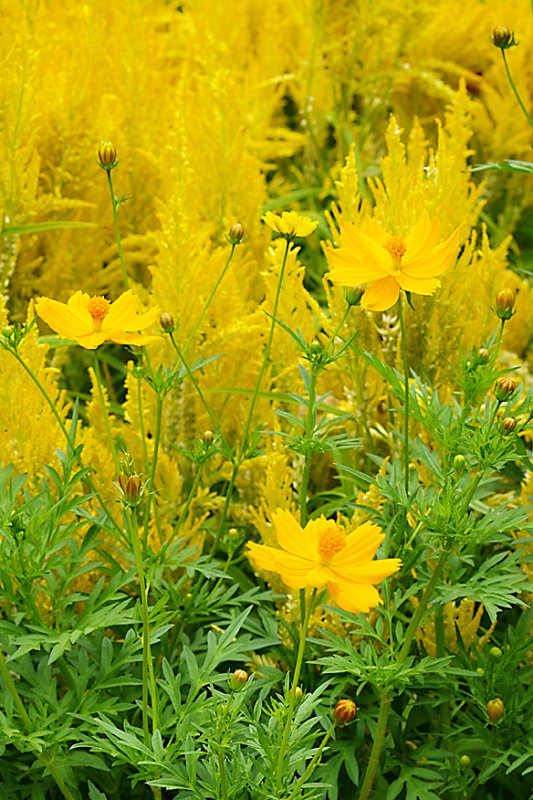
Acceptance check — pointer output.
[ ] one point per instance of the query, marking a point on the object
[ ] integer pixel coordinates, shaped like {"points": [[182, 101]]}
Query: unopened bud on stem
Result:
{"points": [[107, 155], [344, 712]]}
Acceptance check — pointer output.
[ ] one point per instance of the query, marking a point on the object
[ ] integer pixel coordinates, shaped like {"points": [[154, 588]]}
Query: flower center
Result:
{"points": [[330, 542], [98, 308], [396, 247]]}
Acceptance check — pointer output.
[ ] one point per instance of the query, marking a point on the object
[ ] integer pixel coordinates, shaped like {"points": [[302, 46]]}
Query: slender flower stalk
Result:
{"points": [[306, 616], [406, 399], [312, 764], [148, 675], [103, 405], [151, 477], [114, 205], [208, 302], [181, 356], [515, 90]]}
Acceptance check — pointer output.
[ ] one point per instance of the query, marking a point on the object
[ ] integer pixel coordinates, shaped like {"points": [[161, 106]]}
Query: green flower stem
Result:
{"points": [[387, 696], [223, 516], [185, 509], [69, 439], [267, 351], [19, 705], [105, 414], [222, 776], [292, 695], [193, 379], [312, 764], [488, 756], [309, 430], [148, 664], [114, 205], [151, 478], [209, 299], [406, 399], [515, 90], [141, 423]]}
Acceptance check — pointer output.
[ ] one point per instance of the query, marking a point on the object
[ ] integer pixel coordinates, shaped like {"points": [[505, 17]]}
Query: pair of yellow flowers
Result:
{"points": [[321, 553]]}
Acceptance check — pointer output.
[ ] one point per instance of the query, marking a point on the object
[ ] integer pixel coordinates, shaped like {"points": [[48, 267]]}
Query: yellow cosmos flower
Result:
{"points": [[389, 263], [91, 321], [290, 224], [323, 553]]}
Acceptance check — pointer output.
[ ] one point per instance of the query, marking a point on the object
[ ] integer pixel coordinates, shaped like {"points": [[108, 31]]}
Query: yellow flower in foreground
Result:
{"points": [[290, 224], [91, 321], [389, 263], [323, 553]]}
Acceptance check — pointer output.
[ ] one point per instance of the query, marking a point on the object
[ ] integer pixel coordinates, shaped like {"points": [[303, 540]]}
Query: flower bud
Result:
{"points": [[107, 155], [502, 37], [238, 679], [495, 709], [353, 296], [496, 652], [504, 303], [131, 487], [208, 437], [236, 233], [166, 321], [504, 389], [459, 463], [315, 349], [299, 694], [464, 761], [344, 712], [508, 424], [481, 355]]}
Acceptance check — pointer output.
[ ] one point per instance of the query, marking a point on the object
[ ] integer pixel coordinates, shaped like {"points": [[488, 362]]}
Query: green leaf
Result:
{"points": [[38, 227]]}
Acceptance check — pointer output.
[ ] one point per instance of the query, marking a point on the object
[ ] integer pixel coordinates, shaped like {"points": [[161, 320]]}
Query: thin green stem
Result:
{"points": [[194, 381], [386, 697], [379, 738], [225, 510], [114, 205], [151, 478], [312, 764], [406, 399], [112, 446], [148, 665], [486, 760], [222, 775], [310, 424], [292, 695], [515, 90], [185, 509], [209, 299], [267, 351]]}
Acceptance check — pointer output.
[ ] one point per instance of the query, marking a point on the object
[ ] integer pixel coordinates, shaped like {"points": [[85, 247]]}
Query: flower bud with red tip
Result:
{"points": [[504, 303], [344, 712], [107, 156], [504, 389]]}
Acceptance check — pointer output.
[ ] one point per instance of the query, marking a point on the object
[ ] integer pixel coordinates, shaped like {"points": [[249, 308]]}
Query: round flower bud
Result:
{"points": [[496, 652], [344, 712], [353, 296], [131, 487], [166, 321], [238, 679], [107, 155], [482, 355], [459, 463], [208, 437], [480, 671], [315, 348], [508, 424], [464, 761], [504, 389], [502, 36], [495, 709], [504, 303], [236, 233], [299, 694]]}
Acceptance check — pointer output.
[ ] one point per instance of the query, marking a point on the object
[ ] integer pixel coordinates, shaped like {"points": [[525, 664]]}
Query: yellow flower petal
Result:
{"points": [[121, 313], [418, 285], [353, 597], [422, 238], [62, 318], [371, 572], [361, 545], [291, 536], [434, 262], [382, 295]]}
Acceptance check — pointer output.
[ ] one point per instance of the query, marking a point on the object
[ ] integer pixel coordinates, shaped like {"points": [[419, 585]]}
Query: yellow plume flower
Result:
{"points": [[91, 321], [389, 263], [323, 553]]}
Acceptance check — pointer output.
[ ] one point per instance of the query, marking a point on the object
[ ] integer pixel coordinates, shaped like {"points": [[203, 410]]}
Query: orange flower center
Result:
{"points": [[98, 308], [396, 247], [330, 542]]}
